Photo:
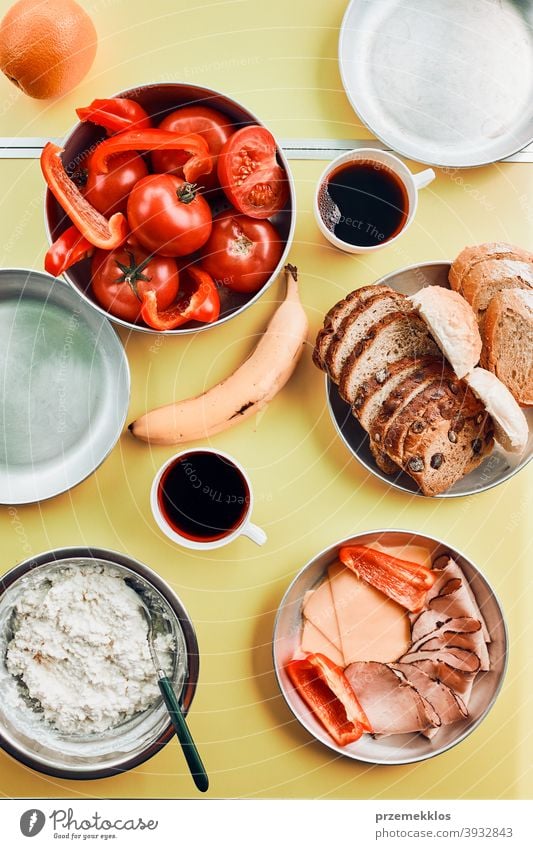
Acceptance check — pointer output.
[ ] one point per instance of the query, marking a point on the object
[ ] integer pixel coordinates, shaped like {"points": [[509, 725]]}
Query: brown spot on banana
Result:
{"points": [[245, 392]]}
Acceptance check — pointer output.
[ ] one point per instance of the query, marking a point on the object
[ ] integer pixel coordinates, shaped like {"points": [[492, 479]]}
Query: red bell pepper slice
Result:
{"points": [[405, 582], [326, 690], [203, 304], [116, 114], [71, 247], [98, 230], [199, 162]]}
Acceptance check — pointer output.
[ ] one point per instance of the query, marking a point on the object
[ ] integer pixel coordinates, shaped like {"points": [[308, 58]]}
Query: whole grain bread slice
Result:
{"points": [[387, 381], [429, 370], [508, 341], [393, 338], [356, 325], [435, 464], [474, 254], [443, 391], [334, 318]]}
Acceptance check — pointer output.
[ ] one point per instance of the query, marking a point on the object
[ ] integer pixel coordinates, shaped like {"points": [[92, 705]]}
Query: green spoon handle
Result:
{"points": [[184, 735]]}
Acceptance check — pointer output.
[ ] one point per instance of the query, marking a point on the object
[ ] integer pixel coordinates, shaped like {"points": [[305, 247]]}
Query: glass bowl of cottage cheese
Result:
{"points": [[80, 697]]}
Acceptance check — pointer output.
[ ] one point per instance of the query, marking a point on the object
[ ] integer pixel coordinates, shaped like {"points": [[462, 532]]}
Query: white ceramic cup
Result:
{"points": [[412, 183], [244, 528]]}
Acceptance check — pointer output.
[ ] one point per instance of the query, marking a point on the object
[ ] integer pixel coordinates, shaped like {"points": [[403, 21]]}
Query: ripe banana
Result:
{"points": [[244, 392]]}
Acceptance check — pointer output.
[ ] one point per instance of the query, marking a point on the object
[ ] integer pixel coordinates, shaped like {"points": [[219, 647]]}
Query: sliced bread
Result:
{"points": [[474, 254], [414, 416], [508, 341], [356, 325], [488, 278], [436, 464], [429, 372], [387, 382], [334, 318], [393, 338]]}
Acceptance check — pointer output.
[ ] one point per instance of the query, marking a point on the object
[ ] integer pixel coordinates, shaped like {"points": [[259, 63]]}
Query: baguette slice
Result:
{"points": [[472, 255], [510, 424], [508, 341], [452, 324], [354, 329], [393, 338]]}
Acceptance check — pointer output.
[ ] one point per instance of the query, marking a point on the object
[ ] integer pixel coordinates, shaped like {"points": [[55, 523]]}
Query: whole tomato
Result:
{"points": [[241, 252], [108, 193], [121, 277], [215, 128], [168, 215]]}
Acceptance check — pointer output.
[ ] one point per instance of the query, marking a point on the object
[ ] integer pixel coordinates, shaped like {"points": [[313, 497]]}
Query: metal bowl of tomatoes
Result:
{"points": [[202, 244]]}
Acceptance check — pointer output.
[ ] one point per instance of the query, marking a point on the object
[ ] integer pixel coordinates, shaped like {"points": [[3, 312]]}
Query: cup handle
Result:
{"points": [[254, 533], [424, 178]]}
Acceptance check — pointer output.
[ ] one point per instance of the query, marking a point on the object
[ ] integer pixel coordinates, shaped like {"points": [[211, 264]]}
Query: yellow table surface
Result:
{"points": [[280, 59]]}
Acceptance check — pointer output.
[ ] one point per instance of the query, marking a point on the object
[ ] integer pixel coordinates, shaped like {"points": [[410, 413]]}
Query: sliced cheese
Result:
{"points": [[371, 626], [318, 608], [314, 641], [413, 553]]}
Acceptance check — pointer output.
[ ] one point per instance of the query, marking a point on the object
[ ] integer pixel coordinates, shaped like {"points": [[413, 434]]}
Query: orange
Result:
{"points": [[46, 46]]}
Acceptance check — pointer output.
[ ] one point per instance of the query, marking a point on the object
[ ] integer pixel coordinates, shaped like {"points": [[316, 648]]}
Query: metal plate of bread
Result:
{"points": [[392, 748], [442, 81], [498, 467]]}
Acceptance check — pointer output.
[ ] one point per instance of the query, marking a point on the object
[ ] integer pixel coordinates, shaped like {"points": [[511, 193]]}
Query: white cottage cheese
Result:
{"points": [[80, 646]]}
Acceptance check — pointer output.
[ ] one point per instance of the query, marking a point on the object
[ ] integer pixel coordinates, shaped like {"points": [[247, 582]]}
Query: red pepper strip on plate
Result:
{"points": [[116, 114], [326, 690], [199, 162], [403, 581], [92, 224], [71, 247], [202, 305]]}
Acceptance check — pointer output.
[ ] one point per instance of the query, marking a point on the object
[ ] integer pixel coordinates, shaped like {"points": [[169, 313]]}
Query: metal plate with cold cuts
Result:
{"points": [[446, 82], [65, 387]]}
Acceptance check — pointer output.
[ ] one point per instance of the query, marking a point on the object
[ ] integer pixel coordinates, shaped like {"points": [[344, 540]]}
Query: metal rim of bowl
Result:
{"points": [[127, 372], [220, 321], [359, 111], [189, 635], [372, 468], [330, 549]]}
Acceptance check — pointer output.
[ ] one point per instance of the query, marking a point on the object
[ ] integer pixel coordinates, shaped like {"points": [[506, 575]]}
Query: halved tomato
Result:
{"points": [[249, 173]]}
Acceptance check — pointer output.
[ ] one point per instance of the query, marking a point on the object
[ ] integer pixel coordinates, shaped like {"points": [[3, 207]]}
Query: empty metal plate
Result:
{"points": [[446, 82], [65, 387], [497, 468]]}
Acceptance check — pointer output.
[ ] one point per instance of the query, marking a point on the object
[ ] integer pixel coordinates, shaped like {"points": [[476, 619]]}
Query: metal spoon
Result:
{"points": [[183, 734]]}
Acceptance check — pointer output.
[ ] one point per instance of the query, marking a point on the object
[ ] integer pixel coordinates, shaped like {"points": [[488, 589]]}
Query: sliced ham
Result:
{"points": [[391, 704], [460, 625], [464, 601], [448, 705], [463, 660], [460, 682], [461, 632]]}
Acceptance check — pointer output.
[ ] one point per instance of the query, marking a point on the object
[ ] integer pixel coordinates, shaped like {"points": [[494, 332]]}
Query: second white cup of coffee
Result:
{"points": [[202, 499], [386, 167]]}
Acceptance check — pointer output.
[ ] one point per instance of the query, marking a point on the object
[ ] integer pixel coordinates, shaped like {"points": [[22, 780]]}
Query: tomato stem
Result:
{"points": [[187, 192], [133, 272]]}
